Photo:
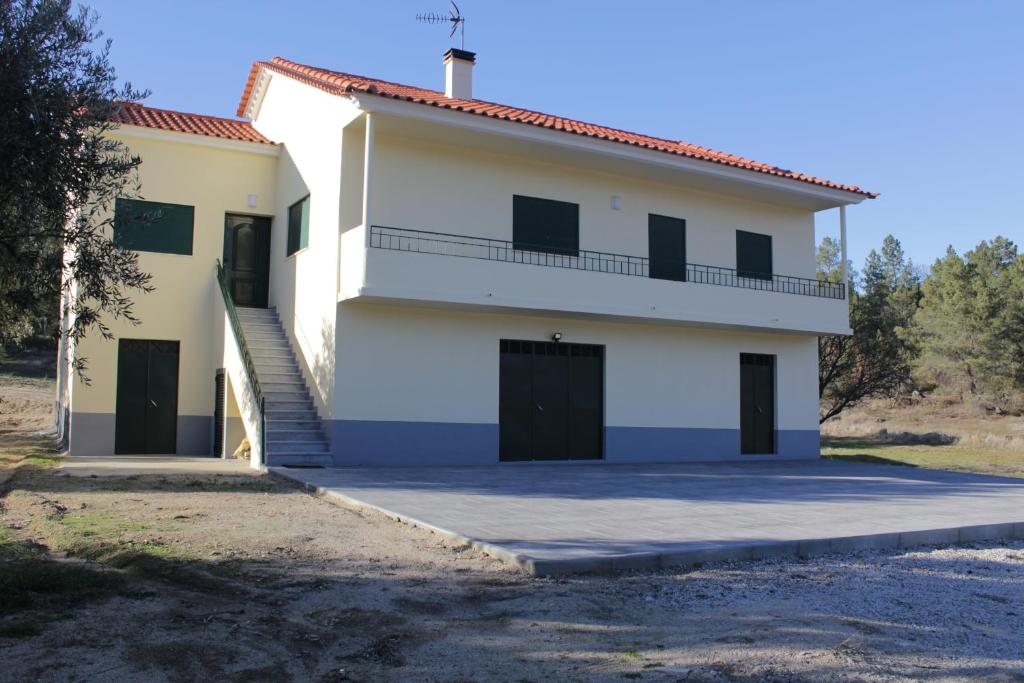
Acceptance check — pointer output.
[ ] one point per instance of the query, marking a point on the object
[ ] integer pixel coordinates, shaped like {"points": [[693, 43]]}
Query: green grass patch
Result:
{"points": [[103, 524], [962, 456]]}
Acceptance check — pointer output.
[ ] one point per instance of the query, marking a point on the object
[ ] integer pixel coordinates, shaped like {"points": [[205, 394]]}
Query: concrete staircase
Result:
{"points": [[295, 435]]}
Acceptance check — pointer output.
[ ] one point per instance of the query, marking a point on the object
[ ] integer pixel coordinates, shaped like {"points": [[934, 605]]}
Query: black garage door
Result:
{"points": [[551, 401]]}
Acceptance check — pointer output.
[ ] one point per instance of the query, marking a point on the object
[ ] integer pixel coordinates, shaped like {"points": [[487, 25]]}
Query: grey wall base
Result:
{"points": [[386, 443], [92, 434]]}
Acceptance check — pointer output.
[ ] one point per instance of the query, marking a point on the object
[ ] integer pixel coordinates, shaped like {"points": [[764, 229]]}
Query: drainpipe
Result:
{"points": [[842, 247]]}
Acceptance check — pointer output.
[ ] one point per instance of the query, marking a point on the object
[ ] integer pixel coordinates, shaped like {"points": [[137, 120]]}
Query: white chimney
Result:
{"points": [[458, 73]]}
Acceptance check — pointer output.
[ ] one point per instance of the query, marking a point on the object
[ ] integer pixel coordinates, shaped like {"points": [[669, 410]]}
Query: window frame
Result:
{"points": [[301, 241]]}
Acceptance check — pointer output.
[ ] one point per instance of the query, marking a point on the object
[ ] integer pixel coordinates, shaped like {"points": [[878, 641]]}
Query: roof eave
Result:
{"points": [[826, 197]]}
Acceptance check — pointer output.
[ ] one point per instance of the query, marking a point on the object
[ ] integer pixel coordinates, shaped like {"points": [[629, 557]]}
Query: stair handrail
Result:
{"points": [[243, 351]]}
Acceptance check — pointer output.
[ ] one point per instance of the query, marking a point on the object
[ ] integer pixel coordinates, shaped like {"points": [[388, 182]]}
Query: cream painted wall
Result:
{"points": [[434, 365], [215, 181], [469, 192], [303, 286]]}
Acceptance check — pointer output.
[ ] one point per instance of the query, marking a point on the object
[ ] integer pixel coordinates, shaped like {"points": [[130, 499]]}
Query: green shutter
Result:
{"points": [[298, 225], [545, 225], [153, 226], [753, 255]]}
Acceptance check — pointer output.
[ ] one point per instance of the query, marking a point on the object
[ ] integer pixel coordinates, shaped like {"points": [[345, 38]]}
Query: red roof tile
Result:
{"points": [[135, 114], [339, 83]]}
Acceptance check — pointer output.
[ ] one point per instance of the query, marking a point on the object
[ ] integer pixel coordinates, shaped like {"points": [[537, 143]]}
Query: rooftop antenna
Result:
{"points": [[454, 17]]}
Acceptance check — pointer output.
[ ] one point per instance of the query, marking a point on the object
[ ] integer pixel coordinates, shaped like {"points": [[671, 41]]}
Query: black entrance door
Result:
{"points": [[146, 420], [551, 398], [247, 258], [757, 403]]}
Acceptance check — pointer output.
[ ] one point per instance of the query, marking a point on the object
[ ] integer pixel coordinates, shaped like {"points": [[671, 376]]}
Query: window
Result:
{"points": [[545, 225], [298, 225], [753, 255], [153, 226], [666, 241]]}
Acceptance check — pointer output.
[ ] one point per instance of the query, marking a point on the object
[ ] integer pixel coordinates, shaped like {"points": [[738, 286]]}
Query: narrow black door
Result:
{"points": [[551, 401], [247, 258], [146, 420], [757, 403], [666, 238]]}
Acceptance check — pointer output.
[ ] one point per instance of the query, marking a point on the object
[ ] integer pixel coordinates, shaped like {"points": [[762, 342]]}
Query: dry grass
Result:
{"points": [[941, 435]]}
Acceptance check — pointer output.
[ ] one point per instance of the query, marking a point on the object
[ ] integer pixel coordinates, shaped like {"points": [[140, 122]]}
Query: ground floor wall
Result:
{"points": [[421, 386]]}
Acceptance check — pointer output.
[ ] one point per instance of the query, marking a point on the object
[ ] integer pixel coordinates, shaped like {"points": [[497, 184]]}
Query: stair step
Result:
{"points": [[306, 437], [300, 460], [297, 415], [277, 404], [295, 385], [289, 447], [292, 423]]}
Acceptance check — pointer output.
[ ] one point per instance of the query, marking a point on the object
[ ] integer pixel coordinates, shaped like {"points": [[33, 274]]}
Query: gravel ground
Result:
{"points": [[156, 578]]}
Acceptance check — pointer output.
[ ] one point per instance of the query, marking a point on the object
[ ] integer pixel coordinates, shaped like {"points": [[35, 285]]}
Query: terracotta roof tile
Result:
{"points": [[338, 83], [135, 114]]}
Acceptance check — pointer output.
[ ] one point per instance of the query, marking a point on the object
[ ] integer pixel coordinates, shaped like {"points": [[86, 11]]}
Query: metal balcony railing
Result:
{"points": [[487, 249]]}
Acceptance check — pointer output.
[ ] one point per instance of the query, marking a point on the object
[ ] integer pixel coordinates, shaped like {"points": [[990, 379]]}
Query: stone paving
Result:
{"points": [[556, 519]]}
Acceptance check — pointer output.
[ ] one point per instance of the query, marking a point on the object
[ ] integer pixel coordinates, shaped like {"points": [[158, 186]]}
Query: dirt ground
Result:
{"points": [[185, 578]]}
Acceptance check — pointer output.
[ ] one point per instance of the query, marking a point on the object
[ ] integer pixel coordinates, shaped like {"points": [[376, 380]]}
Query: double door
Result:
{"points": [[551, 401], [146, 419]]}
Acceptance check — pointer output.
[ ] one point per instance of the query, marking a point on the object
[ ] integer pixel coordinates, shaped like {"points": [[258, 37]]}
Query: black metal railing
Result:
{"points": [[485, 248], [247, 361]]}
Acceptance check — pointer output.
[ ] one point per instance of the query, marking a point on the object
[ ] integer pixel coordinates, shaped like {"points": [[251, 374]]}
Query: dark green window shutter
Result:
{"points": [[298, 225], [545, 225], [666, 238], [753, 255], [153, 226]]}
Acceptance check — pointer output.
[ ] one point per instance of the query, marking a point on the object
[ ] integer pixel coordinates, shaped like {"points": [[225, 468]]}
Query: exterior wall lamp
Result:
{"points": [[556, 337]]}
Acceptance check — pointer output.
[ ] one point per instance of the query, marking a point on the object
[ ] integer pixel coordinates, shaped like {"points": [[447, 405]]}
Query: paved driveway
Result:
{"points": [[552, 519]]}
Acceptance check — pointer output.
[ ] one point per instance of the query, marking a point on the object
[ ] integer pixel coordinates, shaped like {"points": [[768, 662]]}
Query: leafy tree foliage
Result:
{"points": [[61, 172], [971, 324], [877, 359]]}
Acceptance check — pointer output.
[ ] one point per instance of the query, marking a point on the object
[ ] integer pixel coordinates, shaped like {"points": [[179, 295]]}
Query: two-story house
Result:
{"points": [[368, 273]]}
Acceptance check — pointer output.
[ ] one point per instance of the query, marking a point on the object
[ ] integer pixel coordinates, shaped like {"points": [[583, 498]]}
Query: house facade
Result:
{"points": [[368, 273]]}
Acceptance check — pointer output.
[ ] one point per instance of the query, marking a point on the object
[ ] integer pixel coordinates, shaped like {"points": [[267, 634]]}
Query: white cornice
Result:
{"points": [[521, 131], [144, 133], [259, 90]]}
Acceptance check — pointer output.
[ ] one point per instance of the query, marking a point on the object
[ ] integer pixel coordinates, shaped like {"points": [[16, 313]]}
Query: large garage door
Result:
{"points": [[551, 401]]}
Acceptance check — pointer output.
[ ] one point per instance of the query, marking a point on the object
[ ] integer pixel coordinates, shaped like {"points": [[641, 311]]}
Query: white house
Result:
{"points": [[418, 277]]}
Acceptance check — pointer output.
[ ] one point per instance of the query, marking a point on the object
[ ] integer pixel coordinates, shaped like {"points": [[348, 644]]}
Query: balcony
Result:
{"points": [[487, 249], [432, 268]]}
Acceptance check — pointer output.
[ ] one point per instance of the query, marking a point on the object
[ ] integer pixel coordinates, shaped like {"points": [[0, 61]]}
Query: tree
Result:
{"points": [[61, 172], [971, 324], [877, 359]]}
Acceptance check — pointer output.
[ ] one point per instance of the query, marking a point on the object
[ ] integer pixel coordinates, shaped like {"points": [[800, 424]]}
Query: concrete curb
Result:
{"points": [[686, 557]]}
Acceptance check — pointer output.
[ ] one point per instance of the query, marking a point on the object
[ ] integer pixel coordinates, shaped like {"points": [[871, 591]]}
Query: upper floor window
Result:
{"points": [[666, 241], [153, 226], [298, 225], [545, 225], [753, 255]]}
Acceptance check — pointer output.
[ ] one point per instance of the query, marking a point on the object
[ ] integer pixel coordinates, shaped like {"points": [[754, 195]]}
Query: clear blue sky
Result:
{"points": [[921, 101]]}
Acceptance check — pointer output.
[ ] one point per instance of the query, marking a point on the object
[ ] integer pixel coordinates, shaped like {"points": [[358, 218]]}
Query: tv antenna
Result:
{"points": [[454, 17]]}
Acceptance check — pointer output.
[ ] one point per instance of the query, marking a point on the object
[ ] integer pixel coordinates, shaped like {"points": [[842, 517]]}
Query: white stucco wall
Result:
{"points": [[303, 286], [433, 365], [451, 189]]}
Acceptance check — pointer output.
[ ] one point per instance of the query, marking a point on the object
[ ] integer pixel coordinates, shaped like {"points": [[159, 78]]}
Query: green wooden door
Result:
{"points": [[146, 420]]}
